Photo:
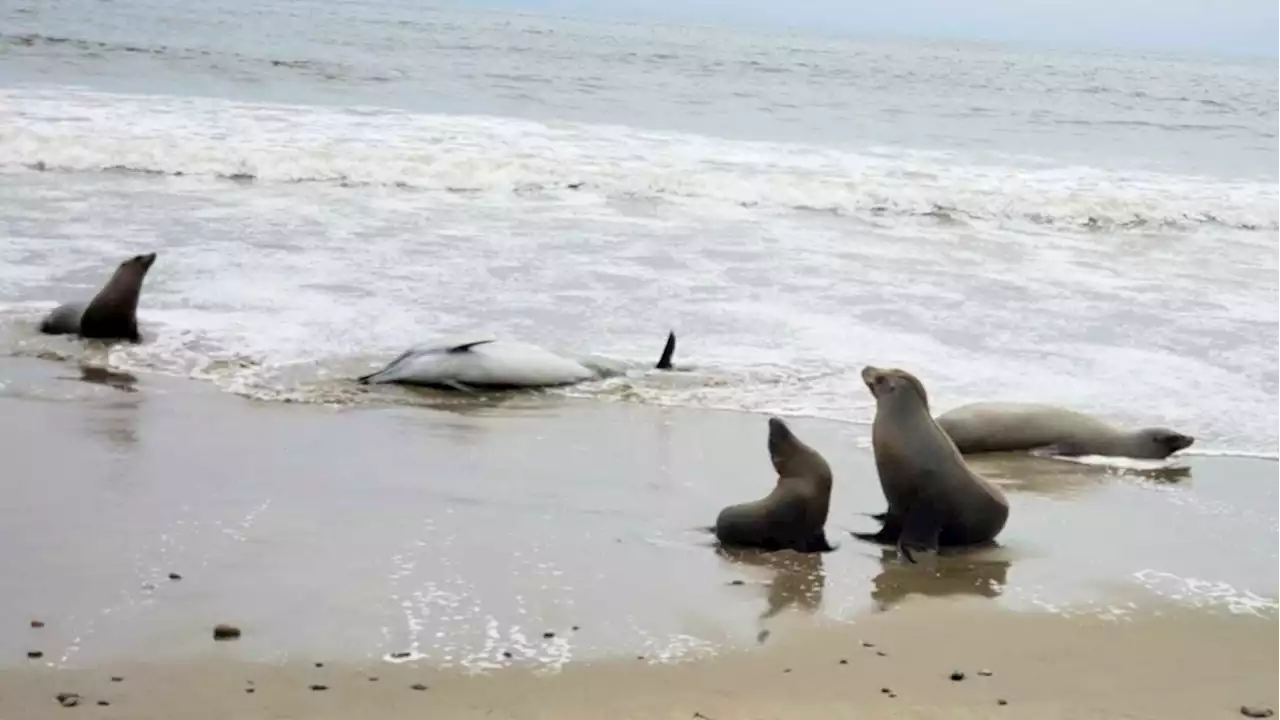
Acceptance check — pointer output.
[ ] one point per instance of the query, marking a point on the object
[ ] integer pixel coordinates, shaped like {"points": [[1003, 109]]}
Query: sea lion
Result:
{"points": [[491, 364], [995, 427], [792, 515], [112, 314], [934, 498]]}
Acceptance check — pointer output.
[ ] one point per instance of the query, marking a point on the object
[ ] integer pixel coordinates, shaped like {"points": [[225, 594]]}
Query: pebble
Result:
{"points": [[37, 623], [893, 695], [401, 654], [786, 670], [319, 664], [985, 673], [116, 678], [868, 644], [737, 582], [175, 576], [373, 679], [103, 703], [886, 691], [318, 688], [957, 676], [1002, 701], [249, 690], [506, 654], [1255, 711], [843, 661], [575, 628], [418, 686], [881, 653], [548, 634], [68, 699], [35, 654], [223, 631]]}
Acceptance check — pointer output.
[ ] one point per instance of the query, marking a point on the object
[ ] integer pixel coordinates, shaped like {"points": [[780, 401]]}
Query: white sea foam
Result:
{"points": [[784, 268]]}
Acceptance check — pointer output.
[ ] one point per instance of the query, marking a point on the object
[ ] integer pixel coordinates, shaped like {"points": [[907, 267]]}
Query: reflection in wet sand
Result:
{"points": [[976, 572], [1052, 477], [122, 381], [798, 578]]}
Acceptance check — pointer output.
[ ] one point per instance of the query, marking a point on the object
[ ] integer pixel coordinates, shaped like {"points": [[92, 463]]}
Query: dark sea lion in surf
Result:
{"points": [[1049, 430], [793, 514], [112, 314], [934, 498]]}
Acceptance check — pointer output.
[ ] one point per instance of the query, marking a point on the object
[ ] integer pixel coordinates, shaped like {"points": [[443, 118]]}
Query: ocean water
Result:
{"points": [[327, 182]]}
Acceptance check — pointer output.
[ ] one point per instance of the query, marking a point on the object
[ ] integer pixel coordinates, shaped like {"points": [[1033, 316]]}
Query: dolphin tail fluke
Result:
{"points": [[668, 350]]}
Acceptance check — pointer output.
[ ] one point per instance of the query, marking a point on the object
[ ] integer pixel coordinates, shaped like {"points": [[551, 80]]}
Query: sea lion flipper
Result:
{"points": [[921, 526], [886, 535], [1065, 448]]}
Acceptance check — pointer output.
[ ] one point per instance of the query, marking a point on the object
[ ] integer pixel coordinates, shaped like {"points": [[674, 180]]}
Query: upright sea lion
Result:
{"points": [[995, 427], [934, 498], [112, 314], [491, 364], [792, 515]]}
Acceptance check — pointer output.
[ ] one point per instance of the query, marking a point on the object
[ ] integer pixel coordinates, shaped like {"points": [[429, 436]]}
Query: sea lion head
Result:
{"points": [[1161, 442], [888, 384], [141, 263], [790, 456]]}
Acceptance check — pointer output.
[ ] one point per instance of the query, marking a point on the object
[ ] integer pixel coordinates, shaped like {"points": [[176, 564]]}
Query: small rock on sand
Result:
{"points": [[104, 703], [1002, 701], [868, 644], [886, 691], [35, 654], [985, 673], [398, 655], [881, 653], [957, 676], [249, 690], [224, 631], [843, 661], [318, 688], [1256, 711], [319, 664], [116, 678], [418, 686], [548, 635], [37, 623], [68, 699], [175, 576]]}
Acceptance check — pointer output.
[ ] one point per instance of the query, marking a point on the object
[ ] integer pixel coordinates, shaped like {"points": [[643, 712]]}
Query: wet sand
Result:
{"points": [[464, 534]]}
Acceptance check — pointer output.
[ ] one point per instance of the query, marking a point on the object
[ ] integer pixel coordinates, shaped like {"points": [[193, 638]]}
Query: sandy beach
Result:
{"points": [[539, 557]]}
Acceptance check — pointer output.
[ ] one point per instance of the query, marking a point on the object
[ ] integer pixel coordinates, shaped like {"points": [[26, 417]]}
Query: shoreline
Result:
{"points": [[463, 534]]}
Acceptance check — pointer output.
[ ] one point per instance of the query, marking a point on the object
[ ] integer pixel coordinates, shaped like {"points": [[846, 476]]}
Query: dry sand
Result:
{"points": [[340, 536]]}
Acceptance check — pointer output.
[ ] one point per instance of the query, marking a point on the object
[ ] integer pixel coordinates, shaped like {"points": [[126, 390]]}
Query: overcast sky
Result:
{"points": [[1215, 26]]}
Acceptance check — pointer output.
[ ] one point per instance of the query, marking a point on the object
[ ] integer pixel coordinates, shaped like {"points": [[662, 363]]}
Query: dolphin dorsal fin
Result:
{"points": [[664, 362]]}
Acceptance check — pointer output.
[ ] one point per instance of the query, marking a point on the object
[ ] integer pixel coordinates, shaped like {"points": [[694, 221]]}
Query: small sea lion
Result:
{"points": [[792, 515], [1049, 430], [112, 314], [491, 364], [934, 498]]}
